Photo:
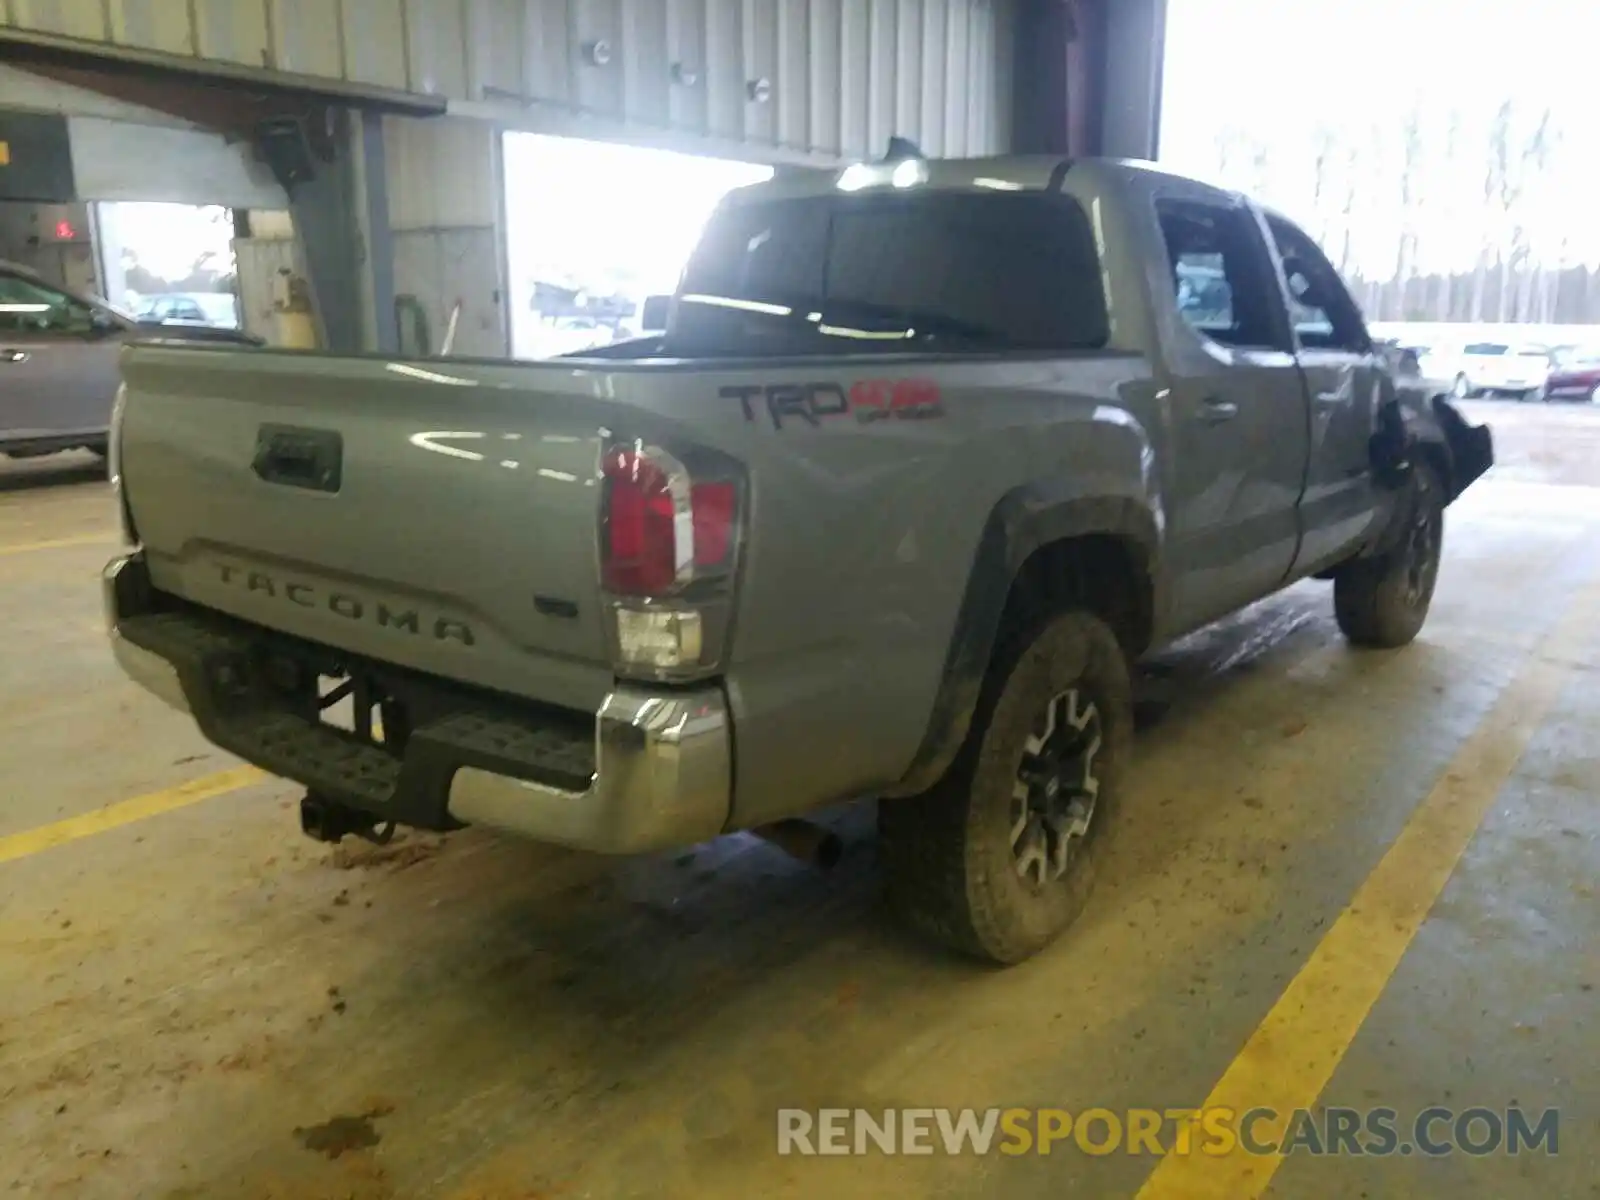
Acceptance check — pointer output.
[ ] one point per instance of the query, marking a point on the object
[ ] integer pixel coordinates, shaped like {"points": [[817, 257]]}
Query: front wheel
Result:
{"points": [[999, 857], [1383, 601], [1461, 388]]}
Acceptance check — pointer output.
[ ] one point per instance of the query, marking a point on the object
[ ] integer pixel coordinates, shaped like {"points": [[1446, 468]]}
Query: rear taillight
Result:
{"points": [[669, 544], [663, 530]]}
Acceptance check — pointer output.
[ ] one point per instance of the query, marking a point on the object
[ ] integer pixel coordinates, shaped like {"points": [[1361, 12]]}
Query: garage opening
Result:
{"points": [[1449, 176], [593, 229], [172, 263]]}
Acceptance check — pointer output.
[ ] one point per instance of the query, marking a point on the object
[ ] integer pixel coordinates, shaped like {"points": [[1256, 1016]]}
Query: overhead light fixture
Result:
{"points": [[909, 173], [755, 306], [855, 177], [429, 376], [867, 335]]}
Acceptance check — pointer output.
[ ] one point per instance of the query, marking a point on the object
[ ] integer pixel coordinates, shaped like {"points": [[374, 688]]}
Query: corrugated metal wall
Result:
{"points": [[815, 77]]}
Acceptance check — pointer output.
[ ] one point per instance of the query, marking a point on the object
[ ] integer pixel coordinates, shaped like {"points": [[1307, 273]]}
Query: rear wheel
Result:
{"points": [[1383, 601], [999, 857], [1461, 388]]}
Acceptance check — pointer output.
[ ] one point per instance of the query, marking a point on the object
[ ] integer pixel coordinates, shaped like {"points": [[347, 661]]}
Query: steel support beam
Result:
{"points": [[334, 171], [1135, 44]]}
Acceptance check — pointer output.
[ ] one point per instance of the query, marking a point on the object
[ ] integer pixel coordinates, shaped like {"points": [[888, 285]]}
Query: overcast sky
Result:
{"points": [[1279, 68]]}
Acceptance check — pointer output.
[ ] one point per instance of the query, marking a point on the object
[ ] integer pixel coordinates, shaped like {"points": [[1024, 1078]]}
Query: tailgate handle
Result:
{"points": [[302, 458]]}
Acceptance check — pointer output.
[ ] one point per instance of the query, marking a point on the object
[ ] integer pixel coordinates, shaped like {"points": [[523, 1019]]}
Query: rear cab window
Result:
{"points": [[932, 272]]}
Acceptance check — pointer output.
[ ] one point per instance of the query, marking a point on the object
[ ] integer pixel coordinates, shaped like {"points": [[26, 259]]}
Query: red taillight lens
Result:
{"points": [[640, 539], [713, 522], [649, 506]]}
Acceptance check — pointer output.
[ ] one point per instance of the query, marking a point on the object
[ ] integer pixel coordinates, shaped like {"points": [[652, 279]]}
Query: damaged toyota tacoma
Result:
{"points": [[928, 453]]}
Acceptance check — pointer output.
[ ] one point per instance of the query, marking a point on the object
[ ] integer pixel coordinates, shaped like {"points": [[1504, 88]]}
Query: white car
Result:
{"points": [[1492, 367]]}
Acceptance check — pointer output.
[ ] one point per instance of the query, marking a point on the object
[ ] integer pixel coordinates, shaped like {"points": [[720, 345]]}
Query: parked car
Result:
{"points": [[58, 363], [190, 308], [1418, 362], [1574, 375], [1495, 368], [918, 466]]}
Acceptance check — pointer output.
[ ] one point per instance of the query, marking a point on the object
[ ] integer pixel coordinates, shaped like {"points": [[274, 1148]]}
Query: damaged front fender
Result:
{"points": [[1470, 447]]}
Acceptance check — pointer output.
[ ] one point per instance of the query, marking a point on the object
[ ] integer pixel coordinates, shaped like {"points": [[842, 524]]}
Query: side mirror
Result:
{"points": [[653, 317]]}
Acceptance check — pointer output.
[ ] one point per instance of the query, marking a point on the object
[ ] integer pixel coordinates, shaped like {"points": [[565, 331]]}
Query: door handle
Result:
{"points": [[1214, 411], [9, 355]]}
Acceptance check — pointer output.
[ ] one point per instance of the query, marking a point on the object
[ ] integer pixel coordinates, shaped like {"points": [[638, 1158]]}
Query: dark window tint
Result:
{"points": [[1485, 348], [1219, 273], [947, 272], [1324, 314]]}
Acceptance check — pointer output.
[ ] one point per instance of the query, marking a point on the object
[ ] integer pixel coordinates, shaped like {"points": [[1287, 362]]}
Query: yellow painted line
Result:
{"points": [[87, 539], [1293, 1053], [32, 841]]}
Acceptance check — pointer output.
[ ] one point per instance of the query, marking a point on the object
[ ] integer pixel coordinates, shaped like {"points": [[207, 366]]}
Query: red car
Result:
{"points": [[1574, 375]]}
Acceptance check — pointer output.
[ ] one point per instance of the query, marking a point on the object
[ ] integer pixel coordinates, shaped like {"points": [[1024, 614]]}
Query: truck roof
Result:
{"points": [[1007, 173]]}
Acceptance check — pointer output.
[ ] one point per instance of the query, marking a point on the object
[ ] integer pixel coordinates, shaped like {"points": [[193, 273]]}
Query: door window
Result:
{"points": [[29, 306], [1220, 273], [1324, 315]]}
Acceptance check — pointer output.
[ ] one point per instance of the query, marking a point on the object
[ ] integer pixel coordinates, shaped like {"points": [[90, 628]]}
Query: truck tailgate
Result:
{"points": [[437, 517]]}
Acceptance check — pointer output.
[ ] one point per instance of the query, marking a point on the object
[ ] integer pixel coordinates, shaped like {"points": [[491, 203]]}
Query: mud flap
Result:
{"points": [[1471, 446]]}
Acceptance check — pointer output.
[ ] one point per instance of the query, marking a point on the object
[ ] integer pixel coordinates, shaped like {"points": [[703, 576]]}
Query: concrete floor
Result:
{"points": [[201, 1003]]}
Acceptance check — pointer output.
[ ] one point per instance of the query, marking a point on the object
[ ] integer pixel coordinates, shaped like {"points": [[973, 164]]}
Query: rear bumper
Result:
{"points": [[651, 770]]}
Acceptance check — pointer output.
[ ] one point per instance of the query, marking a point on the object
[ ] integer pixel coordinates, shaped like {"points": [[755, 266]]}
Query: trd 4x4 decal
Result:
{"points": [[868, 400]]}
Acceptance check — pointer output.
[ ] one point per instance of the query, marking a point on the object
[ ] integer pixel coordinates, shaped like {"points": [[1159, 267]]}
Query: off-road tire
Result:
{"points": [[948, 853], [1376, 600]]}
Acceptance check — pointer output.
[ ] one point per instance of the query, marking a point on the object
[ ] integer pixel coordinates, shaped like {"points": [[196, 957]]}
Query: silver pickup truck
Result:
{"points": [[928, 452]]}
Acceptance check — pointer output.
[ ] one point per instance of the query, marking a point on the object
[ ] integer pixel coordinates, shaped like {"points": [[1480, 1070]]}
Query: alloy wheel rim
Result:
{"points": [[1057, 787], [1422, 553]]}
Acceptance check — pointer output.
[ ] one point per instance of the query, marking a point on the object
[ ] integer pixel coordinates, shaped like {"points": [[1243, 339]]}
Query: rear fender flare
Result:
{"points": [[1024, 520]]}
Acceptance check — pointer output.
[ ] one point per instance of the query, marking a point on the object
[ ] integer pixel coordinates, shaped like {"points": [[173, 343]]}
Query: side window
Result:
{"points": [[1221, 278], [28, 306], [1324, 315]]}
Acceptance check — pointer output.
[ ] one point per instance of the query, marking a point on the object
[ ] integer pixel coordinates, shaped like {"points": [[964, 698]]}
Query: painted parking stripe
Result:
{"points": [[125, 812], [1293, 1053], [87, 539]]}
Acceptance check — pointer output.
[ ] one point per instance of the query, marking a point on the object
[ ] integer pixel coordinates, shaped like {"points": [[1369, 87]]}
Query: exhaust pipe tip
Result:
{"points": [[806, 841]]}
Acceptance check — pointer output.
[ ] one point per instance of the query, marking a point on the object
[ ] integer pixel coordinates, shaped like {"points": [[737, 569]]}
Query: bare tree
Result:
{"points": [[1410, 168], [1496, 172], [1532, 161], [1444, 297], [1324, 156], [1347, 208]]}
